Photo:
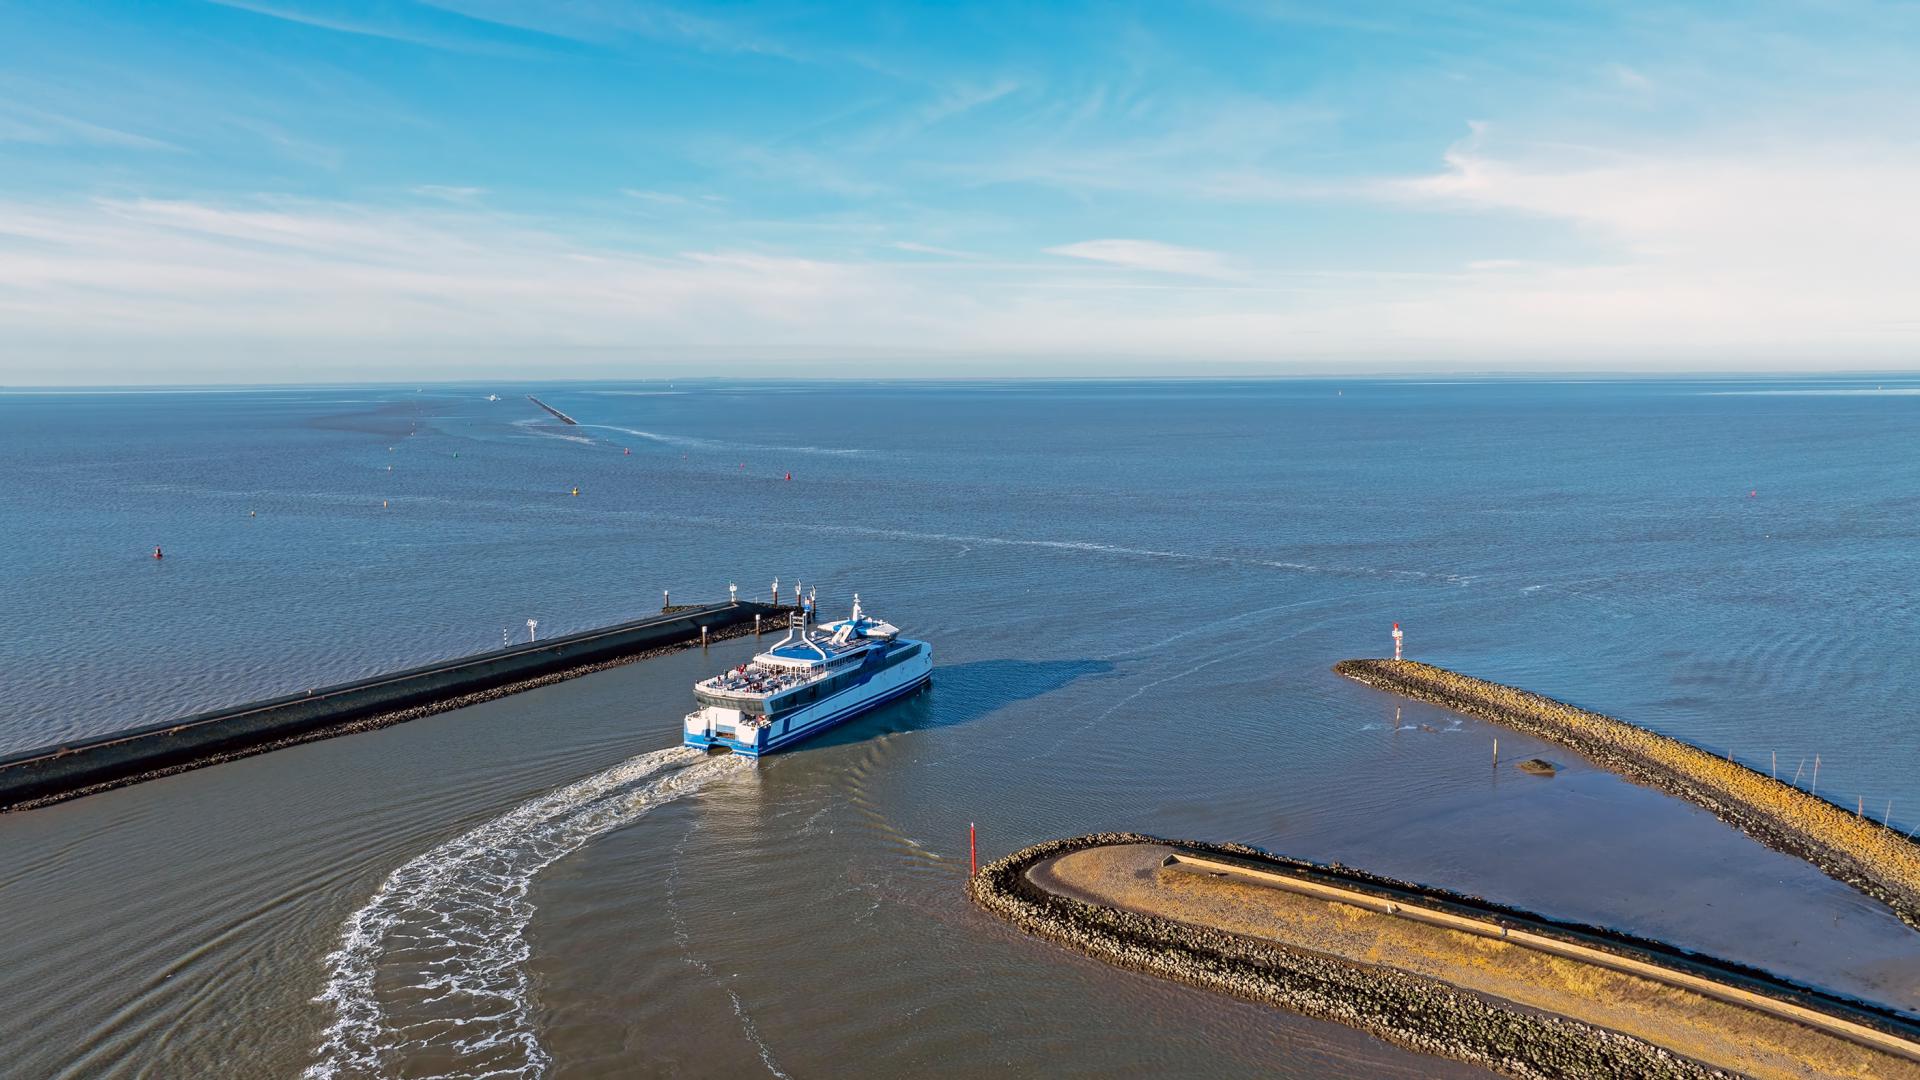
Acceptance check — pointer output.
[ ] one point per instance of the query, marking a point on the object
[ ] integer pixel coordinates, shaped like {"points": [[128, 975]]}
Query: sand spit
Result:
{"points": [[1865, 854], [1470, 996]]}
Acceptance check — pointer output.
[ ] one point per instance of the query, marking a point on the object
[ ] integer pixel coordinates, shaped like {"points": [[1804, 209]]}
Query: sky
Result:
{"points": [[340, 190]]}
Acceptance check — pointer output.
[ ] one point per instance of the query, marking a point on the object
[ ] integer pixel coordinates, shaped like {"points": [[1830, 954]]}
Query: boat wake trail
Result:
{"points": [[697, 443], [432, 970]]}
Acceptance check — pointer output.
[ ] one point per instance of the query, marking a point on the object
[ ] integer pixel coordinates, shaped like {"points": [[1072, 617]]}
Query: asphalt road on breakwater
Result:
{"points": [[1473, 996]]}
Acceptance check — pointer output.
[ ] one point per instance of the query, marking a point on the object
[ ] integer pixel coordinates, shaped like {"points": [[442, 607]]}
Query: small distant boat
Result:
{"points": [[493, 397], [811, 681]]}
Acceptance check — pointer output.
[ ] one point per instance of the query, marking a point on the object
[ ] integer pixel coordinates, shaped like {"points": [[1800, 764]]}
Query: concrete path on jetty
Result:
{"points": [[1347, 946]]}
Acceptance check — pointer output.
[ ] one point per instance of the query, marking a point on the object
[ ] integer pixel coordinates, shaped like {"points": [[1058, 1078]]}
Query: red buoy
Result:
{"points": [[157, 554], [789, 476], [626, 452]]}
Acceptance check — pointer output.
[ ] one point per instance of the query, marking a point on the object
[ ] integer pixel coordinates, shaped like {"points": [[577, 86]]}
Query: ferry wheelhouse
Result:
{"points": [[815, 678]]}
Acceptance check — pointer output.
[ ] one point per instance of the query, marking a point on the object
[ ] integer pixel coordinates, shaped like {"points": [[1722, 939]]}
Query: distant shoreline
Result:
{"points": [[703, 378]]}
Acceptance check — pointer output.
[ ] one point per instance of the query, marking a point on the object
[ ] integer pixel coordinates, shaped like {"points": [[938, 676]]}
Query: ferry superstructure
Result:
{"points": [[815, 678]]}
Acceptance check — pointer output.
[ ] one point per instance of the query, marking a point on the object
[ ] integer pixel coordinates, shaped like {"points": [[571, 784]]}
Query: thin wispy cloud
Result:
{"points": [[1629, 79], [608, 23], [1253, 181], [931, 249], [465, 196], [1791, 207], [377, 23], [960, 100], [799, 167], [25, 124], [1149, 256], [313, 278]]}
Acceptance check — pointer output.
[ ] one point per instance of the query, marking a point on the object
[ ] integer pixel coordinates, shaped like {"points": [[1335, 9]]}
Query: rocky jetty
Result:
{"points": [[390, 717], [1847, 846], [1419, 1013]]}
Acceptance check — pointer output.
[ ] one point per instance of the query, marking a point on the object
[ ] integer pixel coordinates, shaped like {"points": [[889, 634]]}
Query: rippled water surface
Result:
{"points": [[1134, 591]]}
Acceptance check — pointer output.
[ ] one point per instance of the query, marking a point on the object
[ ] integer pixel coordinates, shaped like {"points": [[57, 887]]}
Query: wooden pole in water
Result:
{"points": [[973, 850], [1496, 753]]}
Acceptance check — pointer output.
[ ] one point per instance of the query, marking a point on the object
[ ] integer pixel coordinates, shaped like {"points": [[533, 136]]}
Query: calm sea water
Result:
{"points": [[1134, 589]]}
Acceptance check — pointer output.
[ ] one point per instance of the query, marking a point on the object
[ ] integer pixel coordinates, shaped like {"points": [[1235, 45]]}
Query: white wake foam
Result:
{"points": [[698, 443], [534, 425], [432, 971]]}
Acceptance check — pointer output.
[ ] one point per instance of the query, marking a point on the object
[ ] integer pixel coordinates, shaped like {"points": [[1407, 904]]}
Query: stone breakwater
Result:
{"points": [[1848, 847], [39, 778], [1419, 1013]]}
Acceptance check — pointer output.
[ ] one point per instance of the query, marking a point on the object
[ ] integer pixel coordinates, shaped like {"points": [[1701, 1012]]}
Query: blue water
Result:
{"points": [[1134, 591], [1728, 562]]}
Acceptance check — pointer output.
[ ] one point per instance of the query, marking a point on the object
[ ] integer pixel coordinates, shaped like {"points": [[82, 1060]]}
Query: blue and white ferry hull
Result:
{"points": [[872, 674]]}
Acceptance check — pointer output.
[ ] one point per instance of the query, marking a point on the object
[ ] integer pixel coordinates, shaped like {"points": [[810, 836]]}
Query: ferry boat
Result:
{"points": [[815, 678]]}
